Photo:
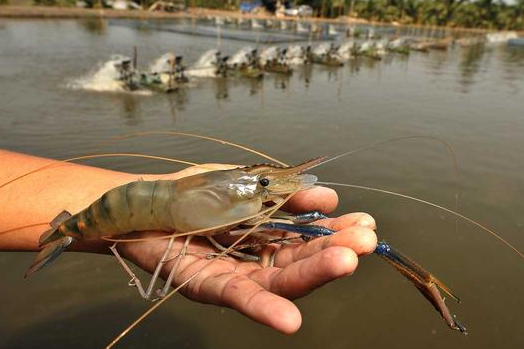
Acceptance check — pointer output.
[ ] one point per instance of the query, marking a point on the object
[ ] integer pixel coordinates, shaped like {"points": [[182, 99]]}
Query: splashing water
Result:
{"points": [[295, 55], [268, 54], [366, 46], [344, 51], [205, 66], [381, 47], [161, 65], [322, 49], [240, 57], [105, 78], [397, 43]]}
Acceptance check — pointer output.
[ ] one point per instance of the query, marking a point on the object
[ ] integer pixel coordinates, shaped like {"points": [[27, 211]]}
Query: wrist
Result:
{"points": [[34, 201]]}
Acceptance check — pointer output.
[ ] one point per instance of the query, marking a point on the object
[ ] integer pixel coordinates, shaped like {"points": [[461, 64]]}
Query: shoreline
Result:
{"points": [[55, 12]]}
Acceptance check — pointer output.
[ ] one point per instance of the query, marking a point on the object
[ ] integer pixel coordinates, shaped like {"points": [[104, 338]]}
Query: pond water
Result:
{"points": [[472, 98]]}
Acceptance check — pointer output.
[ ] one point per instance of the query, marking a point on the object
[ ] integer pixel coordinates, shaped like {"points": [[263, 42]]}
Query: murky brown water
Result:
{"points": [[471, 98]]}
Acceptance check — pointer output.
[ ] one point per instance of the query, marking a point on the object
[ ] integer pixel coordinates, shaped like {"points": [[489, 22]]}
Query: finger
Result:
{"points": [[359, 239], [305, 275], [320, 199], [350, 219], [239, 292]]}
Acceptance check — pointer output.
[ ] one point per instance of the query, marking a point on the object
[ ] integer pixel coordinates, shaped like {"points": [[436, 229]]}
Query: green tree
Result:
{"points": [[518, 12], [465, 13]]}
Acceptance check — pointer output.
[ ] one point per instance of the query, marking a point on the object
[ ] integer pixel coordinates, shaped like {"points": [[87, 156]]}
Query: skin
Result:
{"points": [[264, 294]]}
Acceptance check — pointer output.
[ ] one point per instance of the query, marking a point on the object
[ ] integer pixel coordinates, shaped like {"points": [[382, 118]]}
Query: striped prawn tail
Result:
{"points": [[53, 243]]}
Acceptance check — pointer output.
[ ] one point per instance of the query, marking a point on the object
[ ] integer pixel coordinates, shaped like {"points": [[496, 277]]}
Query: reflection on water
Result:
{"points": [[255, 85], [281, 81], [439, 62], [470, 64], [471, 98], [129, 109], [113, 312], [512, 56], [305, 74], [180, 98], [95, 25], [221, 88]]}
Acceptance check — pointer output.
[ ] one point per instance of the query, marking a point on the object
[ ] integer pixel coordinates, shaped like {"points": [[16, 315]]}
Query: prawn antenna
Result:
{"points": [[23, 227], [95, 156], [374, 145], [192, 135], [454, 213]]}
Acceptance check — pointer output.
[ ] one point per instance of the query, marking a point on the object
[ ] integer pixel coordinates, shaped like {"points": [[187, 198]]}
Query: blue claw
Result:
{"points": [[308, 230], [423, 280], [308, 217], [302, 218]]}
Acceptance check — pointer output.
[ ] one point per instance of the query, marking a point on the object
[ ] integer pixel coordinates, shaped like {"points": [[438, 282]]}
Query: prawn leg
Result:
{"points": [[162, 293], [160, 265], [282, 241], [241, 255], [135, 281]]}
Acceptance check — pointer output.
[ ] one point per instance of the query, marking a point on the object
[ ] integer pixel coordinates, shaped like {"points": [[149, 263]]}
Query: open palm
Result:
{"points": [[263, 293]]}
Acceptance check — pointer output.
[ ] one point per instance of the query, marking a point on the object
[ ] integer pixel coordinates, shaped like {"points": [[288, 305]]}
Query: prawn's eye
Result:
{"points": [[264, 182]]}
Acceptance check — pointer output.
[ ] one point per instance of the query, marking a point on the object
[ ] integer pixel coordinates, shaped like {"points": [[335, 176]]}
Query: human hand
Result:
{"points": [[262, 293]]}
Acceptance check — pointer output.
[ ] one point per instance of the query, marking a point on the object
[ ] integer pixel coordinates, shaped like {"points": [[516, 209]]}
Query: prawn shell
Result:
{"points": [[136, 206]]}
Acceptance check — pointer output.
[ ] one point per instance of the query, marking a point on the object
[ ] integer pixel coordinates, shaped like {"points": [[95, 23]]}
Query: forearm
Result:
{"points": [[40, 196]]}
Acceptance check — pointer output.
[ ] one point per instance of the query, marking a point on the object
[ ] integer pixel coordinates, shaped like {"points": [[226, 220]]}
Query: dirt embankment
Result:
{"points": [[73, 12], [12, 11]]}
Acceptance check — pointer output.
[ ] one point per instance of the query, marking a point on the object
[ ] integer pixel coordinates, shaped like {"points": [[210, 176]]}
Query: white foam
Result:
{"points": [[322, 49], [344, 51], [240, 57], [205, 66], [269, 53], [295, 55], [104, 79], [161, 65]]}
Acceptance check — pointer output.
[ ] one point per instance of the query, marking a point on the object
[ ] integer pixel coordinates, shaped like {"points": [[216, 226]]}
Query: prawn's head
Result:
{"points": [[276, 180]]}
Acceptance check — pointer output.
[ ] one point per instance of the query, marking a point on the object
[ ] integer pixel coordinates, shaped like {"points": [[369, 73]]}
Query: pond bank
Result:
{"points": [[12, 11], [73, 12]]}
